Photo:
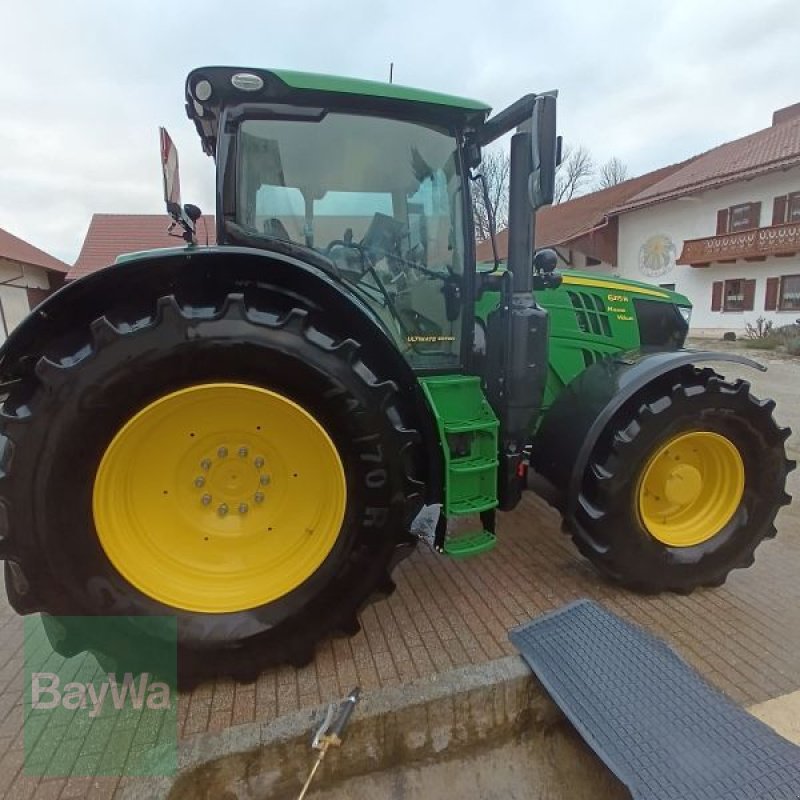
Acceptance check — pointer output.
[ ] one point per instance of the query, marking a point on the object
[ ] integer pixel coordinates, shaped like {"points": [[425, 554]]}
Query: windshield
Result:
{"points": [[382, 199]]}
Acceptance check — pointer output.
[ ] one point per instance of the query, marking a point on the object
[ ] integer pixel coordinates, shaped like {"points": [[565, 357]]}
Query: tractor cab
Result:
{"points": [[368, 179]]}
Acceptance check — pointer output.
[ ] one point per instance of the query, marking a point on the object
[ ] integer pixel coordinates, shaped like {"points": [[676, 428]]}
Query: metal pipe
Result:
{"points": [[520, 218]]}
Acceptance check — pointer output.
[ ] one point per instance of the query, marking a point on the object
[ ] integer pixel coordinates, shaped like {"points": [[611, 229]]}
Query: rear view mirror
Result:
{"points": [[187, 216], [544, 144], [172, 181]]}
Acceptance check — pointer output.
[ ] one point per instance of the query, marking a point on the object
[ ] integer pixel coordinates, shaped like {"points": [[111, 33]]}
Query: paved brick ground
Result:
{"points": [[745, 636]]}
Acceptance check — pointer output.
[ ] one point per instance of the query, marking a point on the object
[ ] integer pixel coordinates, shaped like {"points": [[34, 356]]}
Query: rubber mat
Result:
{"points": [[655, 722]]}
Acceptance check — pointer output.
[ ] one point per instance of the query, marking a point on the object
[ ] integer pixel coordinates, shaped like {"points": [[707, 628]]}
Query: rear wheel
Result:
{"points": [[239, 468], [684, 486]]}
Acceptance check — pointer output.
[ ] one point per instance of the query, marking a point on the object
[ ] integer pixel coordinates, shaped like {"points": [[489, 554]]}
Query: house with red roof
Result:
{"points": [[723, 228], [582, 230], [27, 276]]}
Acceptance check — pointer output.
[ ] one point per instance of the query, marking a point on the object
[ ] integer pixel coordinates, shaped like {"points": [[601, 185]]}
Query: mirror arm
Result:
{"points": [[506, 120], [516, 115]]}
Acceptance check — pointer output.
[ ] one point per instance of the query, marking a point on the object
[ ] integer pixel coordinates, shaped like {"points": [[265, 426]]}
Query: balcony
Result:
{"points": [[752, 245]]}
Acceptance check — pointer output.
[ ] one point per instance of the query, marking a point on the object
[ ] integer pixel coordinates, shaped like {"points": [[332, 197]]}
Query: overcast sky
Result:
{"points": [[85, 85]]}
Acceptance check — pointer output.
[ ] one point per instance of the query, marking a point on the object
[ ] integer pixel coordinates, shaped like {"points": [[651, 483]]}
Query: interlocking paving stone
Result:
{"points": [[744, 637]]}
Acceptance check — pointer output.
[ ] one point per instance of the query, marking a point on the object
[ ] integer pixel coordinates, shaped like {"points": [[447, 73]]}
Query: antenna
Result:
{"points": [[391, 71]]}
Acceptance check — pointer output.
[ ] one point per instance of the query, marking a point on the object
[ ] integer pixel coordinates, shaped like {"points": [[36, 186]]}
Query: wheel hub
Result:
{"points": [[683, 485], [219, 498], [690, 488], [232, 482]]}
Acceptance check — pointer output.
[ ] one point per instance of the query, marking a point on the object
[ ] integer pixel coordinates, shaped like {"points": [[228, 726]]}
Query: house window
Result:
{"points": [[737, 294], [786, 208], [744, 217], [669, 286], [733, 297], [789, 295], [741, 217]]}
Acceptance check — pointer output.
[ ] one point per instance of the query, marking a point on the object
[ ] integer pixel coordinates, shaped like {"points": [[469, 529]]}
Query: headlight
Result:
{"points": [[202, 90], [686, 313]]}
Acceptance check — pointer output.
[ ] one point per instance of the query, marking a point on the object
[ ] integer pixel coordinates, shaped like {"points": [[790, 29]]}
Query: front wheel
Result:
{"points": [[682, 488], [237, 466]]}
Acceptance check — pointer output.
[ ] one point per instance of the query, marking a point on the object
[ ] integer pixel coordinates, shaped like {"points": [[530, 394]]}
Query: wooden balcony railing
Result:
{"points": [[754, 244]]}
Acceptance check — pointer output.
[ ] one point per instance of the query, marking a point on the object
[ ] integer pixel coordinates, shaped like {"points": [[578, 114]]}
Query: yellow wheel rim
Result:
{"points": [[690, 488], [219, 498]]}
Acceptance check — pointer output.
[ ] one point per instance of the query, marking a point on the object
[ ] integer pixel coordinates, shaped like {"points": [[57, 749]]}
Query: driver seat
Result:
{"points": [[276, 229]]}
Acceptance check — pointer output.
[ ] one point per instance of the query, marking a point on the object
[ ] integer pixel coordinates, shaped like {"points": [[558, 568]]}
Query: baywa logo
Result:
{"points": [[100, 696], [47, 694]]}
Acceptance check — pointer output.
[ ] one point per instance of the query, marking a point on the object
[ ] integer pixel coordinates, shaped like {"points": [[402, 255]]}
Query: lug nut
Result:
{"points": [[205, 464], [259, 462], [264, 480], [199, 481], [243, 452], [222, 452], [259, 497], [205, 499], [222, 510], [242, 508]]}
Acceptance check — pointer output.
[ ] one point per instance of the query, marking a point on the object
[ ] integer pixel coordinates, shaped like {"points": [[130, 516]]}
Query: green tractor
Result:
{"points": [[240, 436]]}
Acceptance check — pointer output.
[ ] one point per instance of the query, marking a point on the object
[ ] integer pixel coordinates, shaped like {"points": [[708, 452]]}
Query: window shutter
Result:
{"points": [[793, 207], [771, 298], [716, 296], [722, 221], [749, 293], [779, 210], [755, 214]]}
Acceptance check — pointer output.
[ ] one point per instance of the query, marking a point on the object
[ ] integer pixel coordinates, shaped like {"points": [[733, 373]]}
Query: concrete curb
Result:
{"points": [[428, 723], [453, 712]]}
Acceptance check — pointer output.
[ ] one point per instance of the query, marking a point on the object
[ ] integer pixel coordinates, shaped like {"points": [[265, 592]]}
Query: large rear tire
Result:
{"points": [[683, 486], [238, 467]]}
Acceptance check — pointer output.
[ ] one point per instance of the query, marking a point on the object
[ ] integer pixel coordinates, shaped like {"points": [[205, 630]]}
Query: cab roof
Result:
{"points": [[210, 89]]}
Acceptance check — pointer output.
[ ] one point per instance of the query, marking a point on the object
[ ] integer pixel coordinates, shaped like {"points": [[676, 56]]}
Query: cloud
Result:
{"points": [[85, 85]]}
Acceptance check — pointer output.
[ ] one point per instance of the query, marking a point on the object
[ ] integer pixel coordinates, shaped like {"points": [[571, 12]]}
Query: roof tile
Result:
{"points": [[776, 147], [110, 235], [16, 249]]}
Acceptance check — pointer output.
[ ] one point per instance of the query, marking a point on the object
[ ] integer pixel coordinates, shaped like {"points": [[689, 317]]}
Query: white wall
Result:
{"points": [[15, 278], [578, 261], [694, 218]]}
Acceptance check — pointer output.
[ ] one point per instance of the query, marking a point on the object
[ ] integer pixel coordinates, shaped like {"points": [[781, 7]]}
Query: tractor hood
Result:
{"points": [[611, 283], [626, 285]]}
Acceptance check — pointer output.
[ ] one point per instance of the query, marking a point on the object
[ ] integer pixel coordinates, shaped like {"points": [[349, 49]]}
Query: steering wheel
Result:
{"points": [[339, 243]]}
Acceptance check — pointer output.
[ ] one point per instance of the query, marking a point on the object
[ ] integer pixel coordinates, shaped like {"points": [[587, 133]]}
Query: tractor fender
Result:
{"points": [[183, 269], [203, 275], [570, 429]]}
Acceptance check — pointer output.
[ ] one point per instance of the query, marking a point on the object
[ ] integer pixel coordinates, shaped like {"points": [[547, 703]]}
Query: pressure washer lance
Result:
{"points": [[330, 733]]}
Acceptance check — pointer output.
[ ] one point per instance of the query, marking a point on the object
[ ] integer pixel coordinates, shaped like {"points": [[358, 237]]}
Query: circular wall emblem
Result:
{"points": [[657, 255]]}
